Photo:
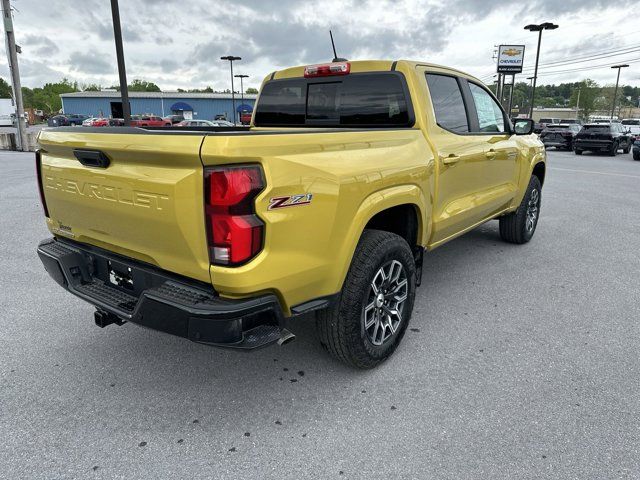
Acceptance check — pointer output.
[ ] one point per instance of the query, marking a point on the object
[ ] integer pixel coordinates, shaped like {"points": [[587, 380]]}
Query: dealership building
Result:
{"points": [[204, 106]]}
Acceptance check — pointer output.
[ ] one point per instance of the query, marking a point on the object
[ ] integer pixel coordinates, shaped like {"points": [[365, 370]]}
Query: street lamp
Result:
{"points": [[615, 92], [231, 58], [538, 28], [241, 77]]}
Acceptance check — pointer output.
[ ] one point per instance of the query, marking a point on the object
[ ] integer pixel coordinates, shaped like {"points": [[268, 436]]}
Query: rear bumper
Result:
{"points": [[160, 300], [592, 144], [558, 144]]}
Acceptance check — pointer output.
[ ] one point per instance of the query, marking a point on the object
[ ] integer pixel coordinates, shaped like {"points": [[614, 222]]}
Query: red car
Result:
{"points": [[149, 121], [107, 122]]}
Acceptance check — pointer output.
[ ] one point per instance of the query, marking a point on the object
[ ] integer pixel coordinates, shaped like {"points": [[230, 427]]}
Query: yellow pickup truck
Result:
{"points": [[326, 203]]}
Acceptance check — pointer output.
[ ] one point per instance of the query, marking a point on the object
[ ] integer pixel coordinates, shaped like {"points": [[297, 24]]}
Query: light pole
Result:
{"points": [[615, 92], [538, 28], [241, 77], [231, 59]]}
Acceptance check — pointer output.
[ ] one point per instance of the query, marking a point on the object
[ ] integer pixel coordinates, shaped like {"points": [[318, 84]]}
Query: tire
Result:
{"points": [[578, 151], [636, 155], [343, 329], [627, 149], [518, 227], [613, 151]]}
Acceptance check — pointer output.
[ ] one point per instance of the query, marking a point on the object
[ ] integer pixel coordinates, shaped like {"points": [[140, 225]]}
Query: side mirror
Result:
{"points": [[523, 126]]}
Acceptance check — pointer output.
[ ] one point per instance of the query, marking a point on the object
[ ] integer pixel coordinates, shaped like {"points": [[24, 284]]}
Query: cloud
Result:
{"points": [[179, 44], [91, 63]]}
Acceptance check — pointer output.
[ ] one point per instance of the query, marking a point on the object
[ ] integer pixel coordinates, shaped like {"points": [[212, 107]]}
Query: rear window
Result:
{"points": [[631, 122], [356, 100], [597, 128], [546, 120], [557, 127]]}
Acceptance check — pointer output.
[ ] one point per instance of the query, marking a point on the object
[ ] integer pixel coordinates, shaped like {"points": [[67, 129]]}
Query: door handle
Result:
{"points": [[490, 154], [450, 160]]}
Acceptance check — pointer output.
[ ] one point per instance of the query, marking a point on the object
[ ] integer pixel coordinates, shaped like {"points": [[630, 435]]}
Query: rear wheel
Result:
{"points": [[627, 149], [519, 226], [613, 151], [578, 151], [366, 324]]}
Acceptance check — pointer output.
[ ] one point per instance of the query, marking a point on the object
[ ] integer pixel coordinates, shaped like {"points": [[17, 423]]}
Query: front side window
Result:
{"points": [[448, 104], [490, 117]]}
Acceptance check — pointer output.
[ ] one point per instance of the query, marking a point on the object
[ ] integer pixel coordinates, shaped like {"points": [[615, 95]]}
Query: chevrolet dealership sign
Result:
{"points": [[510, 58]]}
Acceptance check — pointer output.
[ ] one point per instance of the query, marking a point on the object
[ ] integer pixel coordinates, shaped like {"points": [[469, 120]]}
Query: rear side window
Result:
{"points": [[356, 100], [448, 104], [490, 117]]}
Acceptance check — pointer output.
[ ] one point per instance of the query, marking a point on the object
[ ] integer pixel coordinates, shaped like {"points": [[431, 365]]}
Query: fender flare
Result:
{"points": [[376, 202]]}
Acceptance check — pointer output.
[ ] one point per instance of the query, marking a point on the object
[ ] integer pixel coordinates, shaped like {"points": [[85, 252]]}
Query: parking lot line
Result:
{"points": [[595, 173]]}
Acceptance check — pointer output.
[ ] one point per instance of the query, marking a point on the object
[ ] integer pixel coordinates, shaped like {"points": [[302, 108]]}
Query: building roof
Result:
{"points": [[116, 94]]}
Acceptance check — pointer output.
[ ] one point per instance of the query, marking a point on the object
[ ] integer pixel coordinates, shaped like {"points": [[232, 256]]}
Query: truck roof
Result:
{"points": [[361, 66]]}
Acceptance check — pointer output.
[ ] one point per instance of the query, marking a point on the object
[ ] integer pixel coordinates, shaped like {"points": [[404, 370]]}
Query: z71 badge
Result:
{"points": [[290, 201]]}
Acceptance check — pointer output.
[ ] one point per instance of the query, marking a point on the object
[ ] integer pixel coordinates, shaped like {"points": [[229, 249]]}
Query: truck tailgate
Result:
{"points": [[146, 204]]}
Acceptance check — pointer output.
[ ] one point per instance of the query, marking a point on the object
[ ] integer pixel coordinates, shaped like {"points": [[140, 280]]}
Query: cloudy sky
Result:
{"points": [[178, 43]]}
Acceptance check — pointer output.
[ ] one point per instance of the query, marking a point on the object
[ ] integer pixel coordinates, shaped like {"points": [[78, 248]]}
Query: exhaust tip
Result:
{"points": [[286, 337]]}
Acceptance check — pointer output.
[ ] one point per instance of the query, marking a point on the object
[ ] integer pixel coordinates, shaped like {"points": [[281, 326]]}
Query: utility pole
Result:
{"points": [[231, 59], [538, 28], [578, 104], [615, 92], [122, 72], [12, 56]]}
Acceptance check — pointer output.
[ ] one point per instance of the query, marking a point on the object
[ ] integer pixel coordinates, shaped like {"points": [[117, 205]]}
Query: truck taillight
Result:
{"points": [[327, 69], [234, 231], [40, 184]]}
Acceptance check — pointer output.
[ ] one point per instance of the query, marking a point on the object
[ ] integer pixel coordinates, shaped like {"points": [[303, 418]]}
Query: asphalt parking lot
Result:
{"points": [[521, 363]]}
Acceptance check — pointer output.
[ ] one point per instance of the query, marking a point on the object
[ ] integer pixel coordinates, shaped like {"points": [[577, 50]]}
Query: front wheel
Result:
{"points": [[614, 149], [636, 155], [519, 226], [367, 322], [578, 151], [627, 149]]}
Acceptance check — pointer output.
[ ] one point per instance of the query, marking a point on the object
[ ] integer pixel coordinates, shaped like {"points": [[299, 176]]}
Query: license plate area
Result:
{"points": [[120, 275]]}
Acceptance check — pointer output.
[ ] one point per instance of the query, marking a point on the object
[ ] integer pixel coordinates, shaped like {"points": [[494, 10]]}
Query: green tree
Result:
{"points": [[5, 89], [139, 85], [251, 90], [589, 91], [91, 87], [47, 97]]}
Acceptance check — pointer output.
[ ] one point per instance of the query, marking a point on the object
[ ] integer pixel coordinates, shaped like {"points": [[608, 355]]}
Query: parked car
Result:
{"points": [[108, 122], [149, 121], [204, 123], [223, 123], [65, 120], [220, 238], [559, 136], [543, 122], [633, 124], [603, 137], [89, 121], [58, 121], [173, 119], [636, 149]]}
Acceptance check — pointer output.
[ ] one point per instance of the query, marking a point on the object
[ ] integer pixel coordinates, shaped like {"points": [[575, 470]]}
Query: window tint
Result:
{"points": [[630, 122], [447, 103], [354, 100], [490, 117]]}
